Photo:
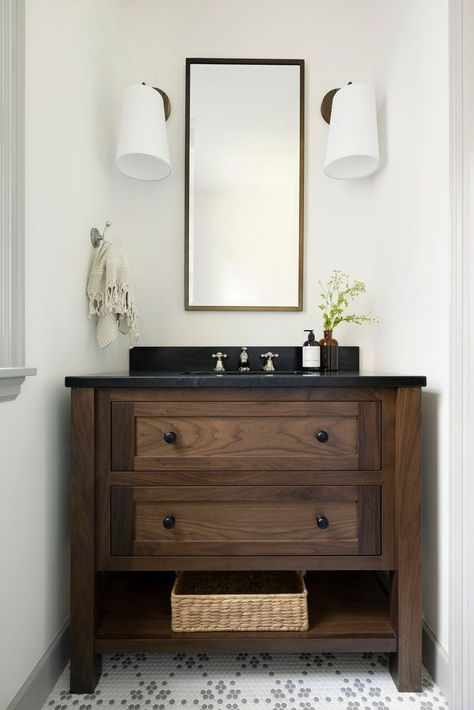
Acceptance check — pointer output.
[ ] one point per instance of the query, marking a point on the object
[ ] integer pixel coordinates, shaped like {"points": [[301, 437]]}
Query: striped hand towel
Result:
{"points": [[110, 296]]}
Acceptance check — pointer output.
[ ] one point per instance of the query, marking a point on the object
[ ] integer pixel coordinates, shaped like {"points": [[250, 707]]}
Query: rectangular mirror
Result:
{"points": [[244, 184]]}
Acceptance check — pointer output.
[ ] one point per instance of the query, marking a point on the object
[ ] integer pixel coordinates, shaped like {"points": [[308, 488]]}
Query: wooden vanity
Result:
{"points": [[193, 473]]}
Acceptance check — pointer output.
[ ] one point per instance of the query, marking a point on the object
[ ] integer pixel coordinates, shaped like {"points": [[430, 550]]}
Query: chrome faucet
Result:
{"points": [[269, 366], [219, 364]]}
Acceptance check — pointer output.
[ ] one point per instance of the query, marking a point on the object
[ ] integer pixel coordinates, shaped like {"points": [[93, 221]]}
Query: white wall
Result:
{"points": [[390, 231], [151, 217], [412, 275], [67, 191]]}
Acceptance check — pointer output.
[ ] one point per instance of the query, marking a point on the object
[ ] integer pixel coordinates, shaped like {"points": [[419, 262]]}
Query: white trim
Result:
{"points": [[39, 684], [457, 359], [461, 622], [12, 182], [436, 660], [12, 198], [11, 380]]}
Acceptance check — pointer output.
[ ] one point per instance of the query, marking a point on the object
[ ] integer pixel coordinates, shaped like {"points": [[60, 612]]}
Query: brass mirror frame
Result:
{"points": [[295, 62]]}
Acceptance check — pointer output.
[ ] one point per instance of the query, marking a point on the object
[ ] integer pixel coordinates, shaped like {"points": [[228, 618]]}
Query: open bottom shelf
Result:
{"points": [[348, 611]]}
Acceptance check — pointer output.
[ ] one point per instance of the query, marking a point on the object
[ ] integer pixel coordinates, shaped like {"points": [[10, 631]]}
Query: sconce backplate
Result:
{"points": [[326, 105], [166, 102]]}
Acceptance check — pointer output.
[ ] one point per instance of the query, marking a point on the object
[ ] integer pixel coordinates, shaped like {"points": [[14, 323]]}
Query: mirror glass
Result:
{"points": [[244, 184]]}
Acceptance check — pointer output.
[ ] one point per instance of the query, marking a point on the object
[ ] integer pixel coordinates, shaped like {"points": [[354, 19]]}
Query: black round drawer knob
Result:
{"points": [[322, 522], [169, 522], [170, 437], [322, 436]]}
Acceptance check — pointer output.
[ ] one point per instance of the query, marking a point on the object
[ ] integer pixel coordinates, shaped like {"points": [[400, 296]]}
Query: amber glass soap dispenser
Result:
{"points": [[311, 353]]}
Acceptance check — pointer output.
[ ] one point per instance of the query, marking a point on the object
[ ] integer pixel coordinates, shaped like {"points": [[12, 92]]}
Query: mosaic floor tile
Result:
{"points": [[242, 681]]}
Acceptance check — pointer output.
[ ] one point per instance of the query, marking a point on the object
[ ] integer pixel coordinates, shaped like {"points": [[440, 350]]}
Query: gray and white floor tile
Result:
{"points": [[242, 681]]}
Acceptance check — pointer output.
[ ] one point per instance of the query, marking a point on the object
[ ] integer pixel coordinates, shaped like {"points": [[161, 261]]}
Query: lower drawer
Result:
{"points": [[245, 520]]}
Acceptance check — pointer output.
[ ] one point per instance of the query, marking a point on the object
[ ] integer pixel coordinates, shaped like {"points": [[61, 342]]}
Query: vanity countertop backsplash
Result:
{"points": [[194, 367]]}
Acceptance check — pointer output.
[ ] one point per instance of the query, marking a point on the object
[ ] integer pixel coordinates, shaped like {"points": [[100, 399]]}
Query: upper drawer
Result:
{"points": [[245, 436]]}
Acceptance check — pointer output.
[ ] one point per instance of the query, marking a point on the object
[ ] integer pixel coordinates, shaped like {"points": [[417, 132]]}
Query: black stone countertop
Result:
{"points": [[189, 366], [342, 378]]}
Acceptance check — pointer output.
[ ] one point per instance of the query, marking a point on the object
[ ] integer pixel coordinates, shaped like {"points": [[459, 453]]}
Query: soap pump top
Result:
{"points": [[311, 337]]}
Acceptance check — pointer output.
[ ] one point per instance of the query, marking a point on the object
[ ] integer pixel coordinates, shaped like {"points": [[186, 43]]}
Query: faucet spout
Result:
{"points": [[244, 364]]}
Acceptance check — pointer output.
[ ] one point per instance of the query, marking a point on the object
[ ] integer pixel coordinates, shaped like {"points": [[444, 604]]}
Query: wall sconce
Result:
{"points": [[142, 150], [353, 144]]}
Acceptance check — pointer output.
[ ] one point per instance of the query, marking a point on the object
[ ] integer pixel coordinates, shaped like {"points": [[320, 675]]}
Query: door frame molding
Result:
{"points": [[461, 621]]}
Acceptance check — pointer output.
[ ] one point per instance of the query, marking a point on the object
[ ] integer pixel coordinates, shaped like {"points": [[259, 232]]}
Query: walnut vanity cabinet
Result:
{"points": [[323, 478]]}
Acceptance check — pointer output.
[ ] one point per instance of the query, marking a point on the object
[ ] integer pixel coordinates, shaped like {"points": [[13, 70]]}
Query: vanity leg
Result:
{"points": [[85, 663], [405, 581]]}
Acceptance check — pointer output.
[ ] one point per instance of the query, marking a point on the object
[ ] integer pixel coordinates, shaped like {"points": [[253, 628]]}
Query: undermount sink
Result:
{"points": [[234, 373], [260, 372], [212, 373]]}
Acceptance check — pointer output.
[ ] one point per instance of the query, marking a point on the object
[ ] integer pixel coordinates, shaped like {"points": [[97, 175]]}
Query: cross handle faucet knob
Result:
{"points": [[219, 367], [269, 366]]}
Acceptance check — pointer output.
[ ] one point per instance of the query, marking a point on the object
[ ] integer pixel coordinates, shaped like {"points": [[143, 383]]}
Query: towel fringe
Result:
{"points": [[117, 300]]}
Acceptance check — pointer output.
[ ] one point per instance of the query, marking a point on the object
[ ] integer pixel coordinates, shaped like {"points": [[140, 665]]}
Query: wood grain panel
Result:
{"points": [[214, 643], [123, 436], [85, 663], [320, 462], [246, 436], [246, 409], [369, 520], [102, 468], [245, 478], [122, 519], [370, 436], [257, 520], [244, 548], [280, 494], [245, 522], [214, 435], [389, 474], [245, 562], [257, 394], [405, 590]]}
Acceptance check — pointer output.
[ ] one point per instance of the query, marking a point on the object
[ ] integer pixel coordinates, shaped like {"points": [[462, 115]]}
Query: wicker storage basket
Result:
{"points": [[239, 601]]}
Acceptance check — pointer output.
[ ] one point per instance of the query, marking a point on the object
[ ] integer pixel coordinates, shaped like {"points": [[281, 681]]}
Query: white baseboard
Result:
{"points": [[435, 660], [35, 690]]}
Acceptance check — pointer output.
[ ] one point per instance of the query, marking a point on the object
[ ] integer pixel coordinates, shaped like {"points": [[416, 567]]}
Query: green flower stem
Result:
{"points": [[336, 296]]}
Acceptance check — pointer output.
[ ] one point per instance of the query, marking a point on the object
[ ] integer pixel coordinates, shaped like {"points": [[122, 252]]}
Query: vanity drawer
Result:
{"points": [[245, 520], [149, 436]]}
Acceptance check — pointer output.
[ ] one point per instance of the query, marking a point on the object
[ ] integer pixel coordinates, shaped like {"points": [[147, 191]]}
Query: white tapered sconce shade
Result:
{"points": [[142, 149], [353, 144]]}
